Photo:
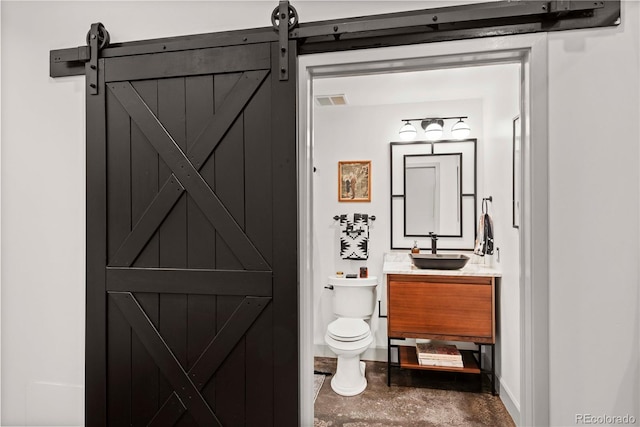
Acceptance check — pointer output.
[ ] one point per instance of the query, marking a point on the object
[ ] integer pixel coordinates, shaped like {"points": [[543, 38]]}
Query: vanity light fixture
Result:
{"points": [[434, 128]]}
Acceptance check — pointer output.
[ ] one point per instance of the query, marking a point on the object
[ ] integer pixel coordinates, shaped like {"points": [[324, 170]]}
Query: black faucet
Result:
{"points": [[434, 243]]}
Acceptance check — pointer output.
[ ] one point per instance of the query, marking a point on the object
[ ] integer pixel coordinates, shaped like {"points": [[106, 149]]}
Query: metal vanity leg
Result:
{"points": [[388, 362], [480, 363], [493, 369]]}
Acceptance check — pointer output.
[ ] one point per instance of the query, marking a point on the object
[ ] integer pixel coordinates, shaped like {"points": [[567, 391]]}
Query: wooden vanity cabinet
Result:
{"points": [[442, 307]]}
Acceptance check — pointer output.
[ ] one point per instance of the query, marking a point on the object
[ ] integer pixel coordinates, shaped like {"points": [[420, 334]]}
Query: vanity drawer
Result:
{"points": [[457, 309]]}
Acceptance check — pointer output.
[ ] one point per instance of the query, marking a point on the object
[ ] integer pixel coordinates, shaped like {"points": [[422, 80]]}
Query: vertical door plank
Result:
{"points": [[120, 381], [209, 391], [258, 184], [144, 187], [199, 111], [171, 112], [119, 372], [118, 174], [223, 83], [229, 166], [228, 170], [207, 171], [144, 173], [259, 370], [230, 378], [96, 379], [201, 321], [202, 326], [285, 254], [173, 328], [173, 231], [145, 375]]}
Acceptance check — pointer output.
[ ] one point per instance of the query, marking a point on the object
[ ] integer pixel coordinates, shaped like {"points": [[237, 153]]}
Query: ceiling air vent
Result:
{"points": [[327, 100]]}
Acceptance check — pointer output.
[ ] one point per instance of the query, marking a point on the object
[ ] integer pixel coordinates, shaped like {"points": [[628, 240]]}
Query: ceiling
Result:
{"points": [[417, 86]]}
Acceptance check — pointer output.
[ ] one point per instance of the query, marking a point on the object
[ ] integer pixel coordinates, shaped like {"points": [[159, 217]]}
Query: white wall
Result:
{"points": [[0, 212], [499, 110], [593, 212], [594, 221]]}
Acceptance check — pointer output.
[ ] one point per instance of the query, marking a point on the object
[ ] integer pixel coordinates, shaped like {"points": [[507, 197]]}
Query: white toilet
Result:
{"points": [[348, 336]]}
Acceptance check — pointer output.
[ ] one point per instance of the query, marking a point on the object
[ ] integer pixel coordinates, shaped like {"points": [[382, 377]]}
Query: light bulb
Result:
{"points": [[460, 130], [433, 129], [408, 132]]}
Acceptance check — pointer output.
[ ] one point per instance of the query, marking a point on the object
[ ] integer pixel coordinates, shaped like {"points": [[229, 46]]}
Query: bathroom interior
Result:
{"points": [[357, 118]]}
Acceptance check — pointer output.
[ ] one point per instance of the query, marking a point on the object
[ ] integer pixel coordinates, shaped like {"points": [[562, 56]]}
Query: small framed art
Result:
{"points": [[354, 181]]}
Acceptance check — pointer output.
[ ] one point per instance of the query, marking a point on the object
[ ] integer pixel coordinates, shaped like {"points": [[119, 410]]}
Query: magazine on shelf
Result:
{"points": [[438, 351], [443, 363]]}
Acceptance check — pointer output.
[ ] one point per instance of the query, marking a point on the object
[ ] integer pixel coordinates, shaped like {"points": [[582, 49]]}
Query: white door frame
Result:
{"points": [[531, 51]]}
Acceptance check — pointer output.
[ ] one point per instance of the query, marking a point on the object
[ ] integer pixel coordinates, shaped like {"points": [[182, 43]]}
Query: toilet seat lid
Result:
{"points": [[346, 329]]}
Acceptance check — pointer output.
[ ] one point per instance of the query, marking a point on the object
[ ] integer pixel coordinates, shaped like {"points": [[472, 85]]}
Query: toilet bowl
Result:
{"points": [[348, 339], [350, 335]]}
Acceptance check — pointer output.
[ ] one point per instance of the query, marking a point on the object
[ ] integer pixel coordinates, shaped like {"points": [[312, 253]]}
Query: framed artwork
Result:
{"points": [[354, 181], [517, 171]]}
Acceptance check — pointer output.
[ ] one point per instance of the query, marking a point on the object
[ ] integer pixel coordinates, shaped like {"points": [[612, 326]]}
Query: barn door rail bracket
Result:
{"points": [[73, 61], [97, 39], [284, 18]]}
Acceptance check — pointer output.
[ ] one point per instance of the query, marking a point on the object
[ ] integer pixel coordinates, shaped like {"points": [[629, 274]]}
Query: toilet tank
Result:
{"points": [[354, 297]]}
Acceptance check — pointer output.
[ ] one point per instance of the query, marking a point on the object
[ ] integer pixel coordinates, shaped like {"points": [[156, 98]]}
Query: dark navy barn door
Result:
{"points": [[192, 240]]}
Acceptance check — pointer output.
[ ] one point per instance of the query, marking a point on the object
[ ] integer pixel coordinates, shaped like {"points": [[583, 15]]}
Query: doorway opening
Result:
{"points": [[445, 59]]}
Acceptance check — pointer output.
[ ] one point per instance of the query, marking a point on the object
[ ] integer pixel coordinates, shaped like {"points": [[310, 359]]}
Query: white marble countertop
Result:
{"points": [[398, 263]]}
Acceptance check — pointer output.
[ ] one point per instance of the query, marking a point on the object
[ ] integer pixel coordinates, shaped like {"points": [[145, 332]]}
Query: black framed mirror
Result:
{"points": [[433, 190]]}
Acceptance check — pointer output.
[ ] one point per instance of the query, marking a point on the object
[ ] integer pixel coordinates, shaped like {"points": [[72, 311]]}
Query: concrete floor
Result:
{"points": [[415, 398]]}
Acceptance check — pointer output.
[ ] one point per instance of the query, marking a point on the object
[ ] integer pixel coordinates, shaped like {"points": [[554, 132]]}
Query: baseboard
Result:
{"points": [[513, 406], [376, 354]]}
